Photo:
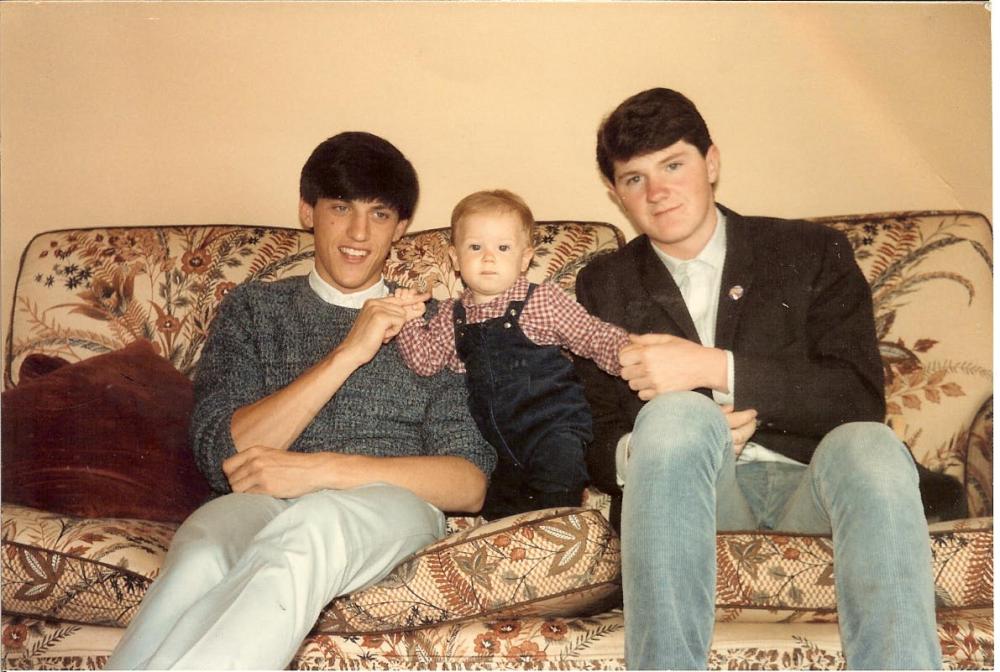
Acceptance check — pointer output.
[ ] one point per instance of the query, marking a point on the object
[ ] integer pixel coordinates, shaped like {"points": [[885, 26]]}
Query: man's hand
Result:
{"points": [[657, 363], [742, 424], [378, 323], [269, 471]]}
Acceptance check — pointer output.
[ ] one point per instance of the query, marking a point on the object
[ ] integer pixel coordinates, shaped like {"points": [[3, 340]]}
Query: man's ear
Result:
{"points": [[306, 215], [526, 256], [400, 229], [453, 254], [714, 163]]}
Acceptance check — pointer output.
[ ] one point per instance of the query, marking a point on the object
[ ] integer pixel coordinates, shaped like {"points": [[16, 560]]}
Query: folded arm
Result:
{"points": [[449, 483], [233, 410]]}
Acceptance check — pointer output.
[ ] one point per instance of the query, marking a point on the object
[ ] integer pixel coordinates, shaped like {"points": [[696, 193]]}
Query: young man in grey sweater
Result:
{"points": [[333, 460]]}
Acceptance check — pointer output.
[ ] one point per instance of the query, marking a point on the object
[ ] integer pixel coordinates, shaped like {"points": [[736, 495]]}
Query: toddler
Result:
{"points": [[507, 335]]}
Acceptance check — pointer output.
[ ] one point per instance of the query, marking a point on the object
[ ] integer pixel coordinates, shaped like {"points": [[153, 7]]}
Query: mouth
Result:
{"points": [[353, 252], [664, 211]]}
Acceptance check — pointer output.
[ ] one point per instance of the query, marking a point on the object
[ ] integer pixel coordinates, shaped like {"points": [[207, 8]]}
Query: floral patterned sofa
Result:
{"points": [[534, 591]]}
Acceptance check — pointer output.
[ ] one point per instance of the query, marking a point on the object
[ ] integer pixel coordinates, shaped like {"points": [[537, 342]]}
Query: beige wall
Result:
{"points": [[125, 114]]}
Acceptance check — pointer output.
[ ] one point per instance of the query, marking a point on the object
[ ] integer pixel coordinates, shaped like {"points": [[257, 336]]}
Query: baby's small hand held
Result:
{"points": [[412, 302]]}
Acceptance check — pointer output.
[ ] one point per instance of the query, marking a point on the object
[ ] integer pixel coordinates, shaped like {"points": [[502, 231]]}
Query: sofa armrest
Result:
{"points": [[978, 455]]}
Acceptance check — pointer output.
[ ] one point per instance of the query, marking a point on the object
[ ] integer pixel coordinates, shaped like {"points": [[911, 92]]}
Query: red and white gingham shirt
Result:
{"points": [[551, 317]]}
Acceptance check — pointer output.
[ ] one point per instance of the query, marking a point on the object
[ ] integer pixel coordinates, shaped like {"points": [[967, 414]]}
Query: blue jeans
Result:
{"points": [[682, 484]]}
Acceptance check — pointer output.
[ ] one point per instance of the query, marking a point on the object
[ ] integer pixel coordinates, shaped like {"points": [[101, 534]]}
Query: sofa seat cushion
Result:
{"points": [[96, 571], [594, 643], [83, 570], [547, 563], [554, 562], [776, 577]]}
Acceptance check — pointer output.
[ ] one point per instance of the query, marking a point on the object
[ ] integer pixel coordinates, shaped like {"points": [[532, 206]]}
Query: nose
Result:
{"points": [[357, 228], [657, 190], [487, 255]]}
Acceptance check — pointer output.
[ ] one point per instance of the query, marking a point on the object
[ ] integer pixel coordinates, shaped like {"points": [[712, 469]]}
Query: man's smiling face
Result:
{"points": [[353, 238]]}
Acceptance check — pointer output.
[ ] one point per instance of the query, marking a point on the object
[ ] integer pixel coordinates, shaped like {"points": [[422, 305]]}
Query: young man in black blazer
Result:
{"points": [[753, 398]]}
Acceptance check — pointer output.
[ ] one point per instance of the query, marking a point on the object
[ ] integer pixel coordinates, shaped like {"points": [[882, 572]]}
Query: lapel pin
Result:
{"points": [[736, 292]]}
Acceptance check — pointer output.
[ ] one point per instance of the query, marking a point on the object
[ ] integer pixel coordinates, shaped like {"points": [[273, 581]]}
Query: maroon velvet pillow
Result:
{"points": [[107, 436], [36, 365]]}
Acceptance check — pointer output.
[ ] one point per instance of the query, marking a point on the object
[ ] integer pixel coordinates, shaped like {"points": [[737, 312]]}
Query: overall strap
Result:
{"points": [[515, 308], [458, 312]]}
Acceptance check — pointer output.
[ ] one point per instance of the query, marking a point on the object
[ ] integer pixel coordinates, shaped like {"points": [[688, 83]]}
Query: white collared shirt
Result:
{"points": [[331, 294], [711, 260]]}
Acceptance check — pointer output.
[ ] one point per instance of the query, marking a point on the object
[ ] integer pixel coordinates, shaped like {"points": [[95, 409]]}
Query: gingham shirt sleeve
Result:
{"points": [[429, 346], [552, 317]]}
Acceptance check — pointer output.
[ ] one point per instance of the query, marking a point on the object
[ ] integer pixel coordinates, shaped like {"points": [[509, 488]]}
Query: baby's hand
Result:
{"points": [[412, 302]]}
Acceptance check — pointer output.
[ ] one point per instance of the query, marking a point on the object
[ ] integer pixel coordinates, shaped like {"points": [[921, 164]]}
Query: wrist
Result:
{"points": [[331, 471], [348, 358], [717, 370]]}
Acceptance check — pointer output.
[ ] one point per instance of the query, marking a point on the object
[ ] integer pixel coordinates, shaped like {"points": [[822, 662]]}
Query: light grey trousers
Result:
{"points": [[247, 575]]}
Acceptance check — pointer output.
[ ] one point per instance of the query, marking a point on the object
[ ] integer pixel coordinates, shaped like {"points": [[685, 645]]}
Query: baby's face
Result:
{"points": [[490, 251]]}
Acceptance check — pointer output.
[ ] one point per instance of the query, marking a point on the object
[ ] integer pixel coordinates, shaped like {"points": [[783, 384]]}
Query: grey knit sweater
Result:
{"points": [[266, 334]]}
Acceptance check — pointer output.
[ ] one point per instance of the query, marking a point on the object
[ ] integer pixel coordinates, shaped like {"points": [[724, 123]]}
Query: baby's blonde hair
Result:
{"points": [[495, 201]]}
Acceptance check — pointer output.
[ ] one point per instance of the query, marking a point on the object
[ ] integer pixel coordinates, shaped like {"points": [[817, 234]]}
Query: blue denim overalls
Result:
{"points": [[529, 405]]}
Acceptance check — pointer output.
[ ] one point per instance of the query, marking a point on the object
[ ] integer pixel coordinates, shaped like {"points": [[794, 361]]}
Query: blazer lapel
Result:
{"points": [[659, 284], [737, 278]]}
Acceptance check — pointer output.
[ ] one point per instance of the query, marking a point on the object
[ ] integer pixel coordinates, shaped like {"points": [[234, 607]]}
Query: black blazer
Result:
{"points": [[802, 333]]}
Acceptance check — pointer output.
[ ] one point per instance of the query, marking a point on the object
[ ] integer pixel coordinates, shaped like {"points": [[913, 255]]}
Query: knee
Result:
{"points": [[339, 515], [867, 455], [197, 554], [679, 427]]}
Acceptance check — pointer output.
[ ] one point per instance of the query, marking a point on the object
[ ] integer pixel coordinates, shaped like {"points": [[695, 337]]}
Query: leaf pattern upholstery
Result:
{"points": [[85, 292]]}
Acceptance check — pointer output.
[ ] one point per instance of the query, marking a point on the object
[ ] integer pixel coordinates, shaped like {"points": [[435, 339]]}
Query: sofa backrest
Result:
{"points": [[84, 292]]}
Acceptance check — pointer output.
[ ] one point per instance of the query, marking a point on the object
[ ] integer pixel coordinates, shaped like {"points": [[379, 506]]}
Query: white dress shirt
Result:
{"points": [[700, 282]]}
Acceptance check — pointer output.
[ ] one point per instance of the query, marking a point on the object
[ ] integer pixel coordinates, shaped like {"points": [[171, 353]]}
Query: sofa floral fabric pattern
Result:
{"points": [[554, 562], [88, 291], [76, 569], [593, 643], [979, 463], [94, 291], [930, 374], [420, 260], [84, 292], [71, 584]]}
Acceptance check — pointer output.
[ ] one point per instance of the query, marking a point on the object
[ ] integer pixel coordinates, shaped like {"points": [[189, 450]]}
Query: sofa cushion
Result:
{"points": [[81, 570], [775, 576], [37, 365], [96, 571], [594, 643], [554, 562], [107, 436]]}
